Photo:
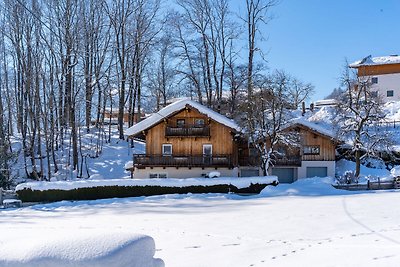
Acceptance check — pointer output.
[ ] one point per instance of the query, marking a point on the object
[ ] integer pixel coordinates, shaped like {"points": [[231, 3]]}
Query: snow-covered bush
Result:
{"points": [[395, 172], [348, 177], [91, 189]]}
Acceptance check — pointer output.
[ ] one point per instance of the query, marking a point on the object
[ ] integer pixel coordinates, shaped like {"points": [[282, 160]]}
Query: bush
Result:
{"points": [[92, 193]]}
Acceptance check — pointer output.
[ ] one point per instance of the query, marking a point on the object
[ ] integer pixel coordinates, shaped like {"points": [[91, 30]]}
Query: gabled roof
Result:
{"points": [[177, 106], [312, 126], [371, 61]]}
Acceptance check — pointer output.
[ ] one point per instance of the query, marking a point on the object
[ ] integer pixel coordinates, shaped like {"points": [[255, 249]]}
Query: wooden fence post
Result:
{"points": [[1, 196]]}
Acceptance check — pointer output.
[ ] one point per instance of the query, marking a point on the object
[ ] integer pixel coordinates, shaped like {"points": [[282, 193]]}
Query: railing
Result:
{"points": [[288, 161], [285, 161], [188, 130], [141, 160]]}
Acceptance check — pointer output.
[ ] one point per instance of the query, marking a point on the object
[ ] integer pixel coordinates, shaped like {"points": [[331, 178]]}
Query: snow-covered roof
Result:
{"points": [[326, 102], [311, 125], [157, 117], [370, 61]]}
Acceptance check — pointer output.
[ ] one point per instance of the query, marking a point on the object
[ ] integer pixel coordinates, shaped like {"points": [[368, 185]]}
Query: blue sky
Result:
{"points": [[311, 39]]}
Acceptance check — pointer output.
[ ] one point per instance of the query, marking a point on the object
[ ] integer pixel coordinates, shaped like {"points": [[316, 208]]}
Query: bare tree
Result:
{"points": [[257, 13], [272, 110], [360, 113]]}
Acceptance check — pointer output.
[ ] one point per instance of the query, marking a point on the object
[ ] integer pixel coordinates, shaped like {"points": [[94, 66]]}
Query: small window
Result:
{"points": [[157, 175], [311, 150], [390, 93], [180, 122], [253, 151], [374, 94], [167, 149], [199, 122], [374, 80]]}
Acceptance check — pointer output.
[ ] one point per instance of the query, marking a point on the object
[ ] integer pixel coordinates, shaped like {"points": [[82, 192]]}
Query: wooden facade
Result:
{"points": [[371, 70], [188, 131], [313, 146]]}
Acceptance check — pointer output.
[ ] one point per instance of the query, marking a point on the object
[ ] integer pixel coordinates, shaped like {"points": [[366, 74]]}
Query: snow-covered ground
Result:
{"points": [[308, 223]]}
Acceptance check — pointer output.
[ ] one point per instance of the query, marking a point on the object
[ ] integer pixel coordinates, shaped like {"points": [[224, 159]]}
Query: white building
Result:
{"points": [[383, 73]]}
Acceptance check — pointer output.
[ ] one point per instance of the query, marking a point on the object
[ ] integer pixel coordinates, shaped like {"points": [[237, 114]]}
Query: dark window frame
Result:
{"points": [[179, 122], [199, 122], [163, 151], [311, 150], [390, 93]]}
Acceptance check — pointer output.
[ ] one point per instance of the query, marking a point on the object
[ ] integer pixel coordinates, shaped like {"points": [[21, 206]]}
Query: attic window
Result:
{"points": [[374, 80], [311, 150], [180, 122], [199, 122]]}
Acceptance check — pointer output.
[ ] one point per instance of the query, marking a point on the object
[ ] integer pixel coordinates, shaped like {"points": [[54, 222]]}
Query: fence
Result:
{"points": [[369, 186]]}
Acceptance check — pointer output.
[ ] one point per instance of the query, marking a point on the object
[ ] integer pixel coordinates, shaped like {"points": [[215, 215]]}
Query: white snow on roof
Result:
{"points": [[241, 182], [312, 126], [369, 61], [326, 102], [177, 106]]}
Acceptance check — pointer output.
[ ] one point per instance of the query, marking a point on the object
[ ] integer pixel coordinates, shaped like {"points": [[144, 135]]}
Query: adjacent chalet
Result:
{"points": [[111, 116], [186, 139], [313, 155], [383, 74]]}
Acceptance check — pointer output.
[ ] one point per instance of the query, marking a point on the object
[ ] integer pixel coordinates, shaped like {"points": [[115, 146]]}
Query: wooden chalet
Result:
{"points": [[312, 155], [186, 139]]}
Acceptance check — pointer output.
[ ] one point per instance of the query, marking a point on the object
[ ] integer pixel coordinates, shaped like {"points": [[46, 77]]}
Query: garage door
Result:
{"points": [[285, 175], [249, 173], [317, 171]]}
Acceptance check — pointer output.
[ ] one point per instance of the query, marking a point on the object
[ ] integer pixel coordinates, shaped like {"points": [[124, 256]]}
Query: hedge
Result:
{"points": [[92, 193]]}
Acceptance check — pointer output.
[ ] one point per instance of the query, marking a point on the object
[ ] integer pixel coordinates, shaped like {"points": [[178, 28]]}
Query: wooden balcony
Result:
{"points": [[188, 131], [283, 161], [141, 161]]}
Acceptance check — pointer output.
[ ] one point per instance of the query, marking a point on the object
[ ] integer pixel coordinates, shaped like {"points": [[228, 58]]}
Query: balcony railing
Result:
{"points": [[285, 161], [141, 160], [188, 130]]}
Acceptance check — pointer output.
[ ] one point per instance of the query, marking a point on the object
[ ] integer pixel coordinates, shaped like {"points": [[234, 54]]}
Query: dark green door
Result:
{"points": [[317, 171], [285, 175]]}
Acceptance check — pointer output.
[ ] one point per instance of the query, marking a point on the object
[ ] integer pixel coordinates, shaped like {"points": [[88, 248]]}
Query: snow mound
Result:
{"points": [[78, 248], [345, 165], [241, 182], [304, 187], [395, 172]]}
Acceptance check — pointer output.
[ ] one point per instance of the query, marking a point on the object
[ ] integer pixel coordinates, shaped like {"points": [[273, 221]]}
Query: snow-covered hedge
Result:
{"points": [[96, 189], [79, 248]]}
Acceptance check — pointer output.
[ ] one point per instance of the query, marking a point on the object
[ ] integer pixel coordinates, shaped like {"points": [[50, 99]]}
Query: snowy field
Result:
{"points": [[304, 224]]}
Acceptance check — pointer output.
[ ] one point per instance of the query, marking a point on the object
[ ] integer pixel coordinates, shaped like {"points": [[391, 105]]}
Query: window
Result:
{"points": [[374, 80], [253, 151], [390, 93], [199, 122], [157, 175], [167, 149], [374, 94], [207, 150], [180, 122], [311, 150]]}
